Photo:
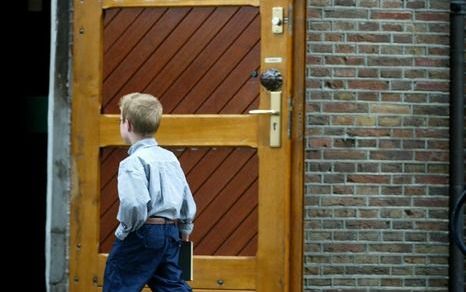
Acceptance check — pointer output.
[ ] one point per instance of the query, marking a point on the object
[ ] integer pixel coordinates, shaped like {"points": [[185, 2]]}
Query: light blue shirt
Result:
{"points": [[151, 182]]}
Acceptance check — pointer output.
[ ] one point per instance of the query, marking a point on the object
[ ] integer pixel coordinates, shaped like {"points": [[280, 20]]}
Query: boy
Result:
{"points": [[156, 206]]}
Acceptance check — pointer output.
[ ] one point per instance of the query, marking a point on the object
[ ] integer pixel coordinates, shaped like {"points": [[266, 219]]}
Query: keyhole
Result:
{"points": [[274, 126]]}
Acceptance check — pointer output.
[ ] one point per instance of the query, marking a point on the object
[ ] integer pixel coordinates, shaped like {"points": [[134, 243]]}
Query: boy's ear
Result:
{"points": [[130, 126]]}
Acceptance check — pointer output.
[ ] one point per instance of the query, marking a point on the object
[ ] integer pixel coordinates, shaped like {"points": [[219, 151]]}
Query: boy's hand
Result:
{"points": [[184, 237]]}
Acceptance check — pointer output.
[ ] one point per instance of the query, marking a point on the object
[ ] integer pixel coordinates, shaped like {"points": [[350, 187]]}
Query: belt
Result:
{"points": [[160, 220]]}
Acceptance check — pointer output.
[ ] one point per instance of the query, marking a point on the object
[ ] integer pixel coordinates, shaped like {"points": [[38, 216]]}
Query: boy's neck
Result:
{"points": [[134, 138]]}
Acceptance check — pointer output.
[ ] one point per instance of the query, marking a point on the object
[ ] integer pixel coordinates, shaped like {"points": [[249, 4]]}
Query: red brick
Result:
{"points": [[389, 61], [368, 49], [320, 72], [389, 201], [391, 155], [431, 110], [374, 270], [345, 107], [345, 48], [312, 60], [368, 84], [438, 51], [369, 132], [346, 13], [334, 37], [344, 247], [320, 142], [342, 201], [403, 39], [334, 84], [392, 4], [312, 84], [367, 95], [316, 37], [392, 27], [315, 12], [320, 25], [387, 96], [432, 39], [345, 72], [345, 2], [342, 120], [368, 179], [320, 48], [439, 28], [403, 133], [415, 73], [334, 60], [369, 38], [369, 26], [431, 133], [432, 86], [416, 4], [367, 73], [344, 154], [391, 108], [431, 179], [401, 85], [430, 62], [395, 15], [431, 156], [344, 25], [368, 3], [391, 282], [432, 16], [391, 248], [390, 73]]}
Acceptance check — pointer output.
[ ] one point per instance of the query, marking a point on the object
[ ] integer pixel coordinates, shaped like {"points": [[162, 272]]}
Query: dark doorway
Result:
{"points": [[31, 84]]}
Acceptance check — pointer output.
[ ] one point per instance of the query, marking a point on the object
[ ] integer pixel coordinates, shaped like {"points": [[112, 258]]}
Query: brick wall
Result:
{"points": [[376, 206]]}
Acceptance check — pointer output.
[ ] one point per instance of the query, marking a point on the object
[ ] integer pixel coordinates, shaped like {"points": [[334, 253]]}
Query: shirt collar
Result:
{"points": [[147, 142]]}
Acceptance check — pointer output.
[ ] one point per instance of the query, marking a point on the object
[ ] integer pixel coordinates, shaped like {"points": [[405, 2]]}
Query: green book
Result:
{"points": [[186, 260]]}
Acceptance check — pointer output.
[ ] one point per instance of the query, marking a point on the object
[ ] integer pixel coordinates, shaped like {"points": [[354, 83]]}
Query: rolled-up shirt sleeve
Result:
{"points": [[133, 195], [187, 212]]}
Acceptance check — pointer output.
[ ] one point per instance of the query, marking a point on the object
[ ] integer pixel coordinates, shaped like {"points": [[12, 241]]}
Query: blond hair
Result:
{"points": [[143, 110]]}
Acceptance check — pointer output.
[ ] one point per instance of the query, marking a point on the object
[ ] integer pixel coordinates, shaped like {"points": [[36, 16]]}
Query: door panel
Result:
{"points": [[202, 59], [224, 185], [196, 61], [202, 65]]}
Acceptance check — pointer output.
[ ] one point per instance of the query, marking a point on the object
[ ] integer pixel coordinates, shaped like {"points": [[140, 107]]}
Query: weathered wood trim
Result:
{"points": [[236, 272], [172, 3], [58, 150], [297, 146], [191, 130], [84, 210]]}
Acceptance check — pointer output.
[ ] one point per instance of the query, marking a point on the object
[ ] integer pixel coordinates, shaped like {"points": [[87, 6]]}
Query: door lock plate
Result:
{"points": [[275, 113], [277, 20], [275, 105]]}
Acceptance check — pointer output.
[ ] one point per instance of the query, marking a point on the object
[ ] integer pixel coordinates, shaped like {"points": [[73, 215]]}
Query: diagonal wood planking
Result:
{"points": [[224, 184], [197, 61]]}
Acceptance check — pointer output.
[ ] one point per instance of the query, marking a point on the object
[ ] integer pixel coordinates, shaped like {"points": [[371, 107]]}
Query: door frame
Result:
{"points": [[297, 145], [86, 138]]}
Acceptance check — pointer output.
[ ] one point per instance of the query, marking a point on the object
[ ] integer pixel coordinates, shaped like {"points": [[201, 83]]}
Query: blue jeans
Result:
{"points": [[149, 256]]}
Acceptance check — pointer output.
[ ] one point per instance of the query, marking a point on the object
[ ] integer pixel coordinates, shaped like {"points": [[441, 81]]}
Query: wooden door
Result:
{"points": [[202, 59]]}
